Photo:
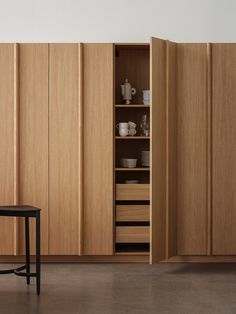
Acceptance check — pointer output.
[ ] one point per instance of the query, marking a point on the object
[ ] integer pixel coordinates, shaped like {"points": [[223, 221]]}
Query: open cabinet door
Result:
{"points": [[158, 150], [171, 149]]}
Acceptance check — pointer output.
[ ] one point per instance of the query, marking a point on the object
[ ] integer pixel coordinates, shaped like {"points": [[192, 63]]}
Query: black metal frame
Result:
{"points": [[34, 213]]}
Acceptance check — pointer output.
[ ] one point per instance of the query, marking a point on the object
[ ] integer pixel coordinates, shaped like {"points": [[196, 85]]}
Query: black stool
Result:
{"points": [[27, 212]]}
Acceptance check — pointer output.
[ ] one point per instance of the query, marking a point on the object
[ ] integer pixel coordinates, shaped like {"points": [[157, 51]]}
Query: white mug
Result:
{"points": [[122, 125], [124, 131]]}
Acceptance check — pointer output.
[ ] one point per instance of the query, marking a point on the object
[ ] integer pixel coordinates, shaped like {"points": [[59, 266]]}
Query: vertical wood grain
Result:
{"points": [[171, 187], [98, 149], [7, 144], [158, 150], [64, 149], [192, 149], [33, 99], [224, 148]]}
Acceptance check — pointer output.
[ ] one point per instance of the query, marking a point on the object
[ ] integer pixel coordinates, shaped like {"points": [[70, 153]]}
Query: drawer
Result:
{"points": [[126, 192], [132, 213], [132, 234]]}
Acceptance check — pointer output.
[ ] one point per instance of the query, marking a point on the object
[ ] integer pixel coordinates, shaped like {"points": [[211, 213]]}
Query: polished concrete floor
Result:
{"points": [[123, 288]]}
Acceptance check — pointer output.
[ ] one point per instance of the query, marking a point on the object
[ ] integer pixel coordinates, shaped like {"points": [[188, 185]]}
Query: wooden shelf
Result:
{"points": [[133, 169], [132, 106], [132, 137]]}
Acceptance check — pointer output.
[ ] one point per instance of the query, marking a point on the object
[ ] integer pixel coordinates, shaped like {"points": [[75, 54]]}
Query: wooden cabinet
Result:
{"points": [[61, 150], [223, 149]]}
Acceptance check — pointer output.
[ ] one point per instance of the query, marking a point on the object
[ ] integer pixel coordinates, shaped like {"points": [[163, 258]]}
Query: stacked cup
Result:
{"points": [[145, 158], [123, 128], [146, 97], [126, 128], [132, 128]]}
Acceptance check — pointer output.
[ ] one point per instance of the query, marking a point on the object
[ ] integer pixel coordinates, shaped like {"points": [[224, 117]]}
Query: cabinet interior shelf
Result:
{"points": [[132, 137], [132, 169], [133, 106]]}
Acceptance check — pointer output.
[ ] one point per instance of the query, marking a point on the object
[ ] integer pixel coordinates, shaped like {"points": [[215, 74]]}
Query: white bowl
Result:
{"points": [[131, 181], [128, 163]]}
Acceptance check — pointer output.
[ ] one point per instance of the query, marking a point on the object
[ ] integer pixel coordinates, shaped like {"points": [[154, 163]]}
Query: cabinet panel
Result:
{"points": [[158, 149], [192, 149], [171, 105], [33, 74], [63, 149], [7, 145], [98, 149], [224, 148]]}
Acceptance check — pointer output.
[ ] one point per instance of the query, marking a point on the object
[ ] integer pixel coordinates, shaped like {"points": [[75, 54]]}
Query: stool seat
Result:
{"points": [[27, 212], [19, 210]]}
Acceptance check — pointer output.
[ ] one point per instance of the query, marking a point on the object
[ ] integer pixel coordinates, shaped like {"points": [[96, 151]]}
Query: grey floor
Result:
{"points": [[123, 288]]}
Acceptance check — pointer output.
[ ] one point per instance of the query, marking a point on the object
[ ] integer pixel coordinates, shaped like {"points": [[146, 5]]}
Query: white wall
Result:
{"points": [[120, 20]]}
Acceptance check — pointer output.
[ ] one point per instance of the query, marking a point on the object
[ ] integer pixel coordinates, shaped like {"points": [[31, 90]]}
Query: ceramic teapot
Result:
{"points": [[127, 91]]}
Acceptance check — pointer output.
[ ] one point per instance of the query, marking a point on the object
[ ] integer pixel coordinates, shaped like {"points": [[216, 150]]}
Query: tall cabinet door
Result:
{"points": [[63, 149], [158, 149], [224, 149], [33, 136], [192, 161], [7, 175], [98, 149]]}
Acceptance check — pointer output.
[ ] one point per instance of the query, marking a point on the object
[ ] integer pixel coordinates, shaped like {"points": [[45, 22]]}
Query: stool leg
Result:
{"points": [[38, 262], [27, 249]]}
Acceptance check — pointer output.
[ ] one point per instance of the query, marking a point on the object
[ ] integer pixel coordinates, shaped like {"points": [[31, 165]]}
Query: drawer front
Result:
{"points": [[132, 192], [132, 234], [132, 213]]}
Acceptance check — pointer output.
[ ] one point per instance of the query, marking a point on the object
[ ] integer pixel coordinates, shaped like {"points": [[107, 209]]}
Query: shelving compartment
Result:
{"points": [[134, 114], [132, 62], [132, 200]]}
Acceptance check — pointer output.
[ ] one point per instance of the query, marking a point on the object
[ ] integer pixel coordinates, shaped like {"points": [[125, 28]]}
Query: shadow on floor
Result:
{"points": [[220, 269]]}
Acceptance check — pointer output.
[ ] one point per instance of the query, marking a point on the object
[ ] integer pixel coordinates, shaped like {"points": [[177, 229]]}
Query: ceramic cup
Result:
{"points": [[124, 131], [132, 125], [122, 125], [132, 132], [146, 97], [146, 94], [145, 158]]}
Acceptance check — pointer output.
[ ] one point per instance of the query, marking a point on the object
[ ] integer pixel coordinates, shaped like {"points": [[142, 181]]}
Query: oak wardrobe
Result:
{"points": [[61, 150]]}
